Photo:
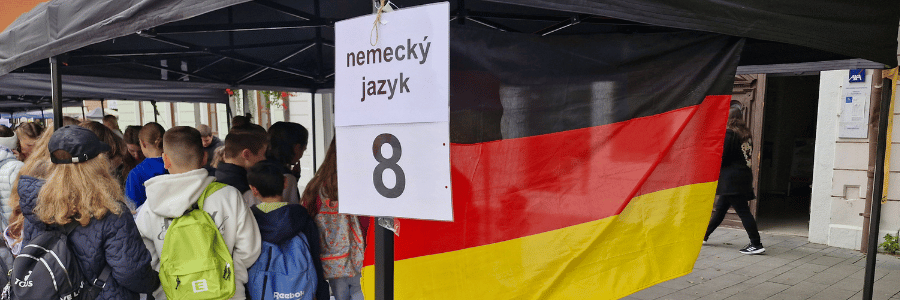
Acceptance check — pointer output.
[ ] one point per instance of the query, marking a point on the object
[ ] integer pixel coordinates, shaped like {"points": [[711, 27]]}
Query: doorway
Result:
{"points": [[787, 154]]}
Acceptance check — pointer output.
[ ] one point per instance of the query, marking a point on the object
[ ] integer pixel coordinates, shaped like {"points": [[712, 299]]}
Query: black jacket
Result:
{"points": [[284, 223], [113, 240], [735, 177], [211, 151], [232, 175]]}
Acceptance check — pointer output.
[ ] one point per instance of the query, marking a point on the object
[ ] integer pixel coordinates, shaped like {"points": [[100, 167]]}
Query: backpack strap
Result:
{"points": [[100, 282], [98, 285], [209, 190], [68, 227]]}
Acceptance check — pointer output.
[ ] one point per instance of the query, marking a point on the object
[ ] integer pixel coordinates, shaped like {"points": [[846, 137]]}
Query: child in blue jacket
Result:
{"points": [[151, 137], [279, 221]]}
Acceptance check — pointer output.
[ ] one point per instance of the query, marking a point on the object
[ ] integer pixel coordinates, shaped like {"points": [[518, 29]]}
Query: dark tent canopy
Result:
{"points": [[863, 29], [10, 103], [281, 44], [84, 87]]}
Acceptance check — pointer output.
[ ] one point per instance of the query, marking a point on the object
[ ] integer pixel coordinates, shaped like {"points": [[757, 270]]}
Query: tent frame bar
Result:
{"points": [[283, 59], [574, 20], [42, 69], [177, 71], [181, 50], [240, 27], [299, 14], [491, 24], [235, 56]]}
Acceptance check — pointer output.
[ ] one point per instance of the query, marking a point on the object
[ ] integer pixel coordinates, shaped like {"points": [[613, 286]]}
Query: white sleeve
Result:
{"points": [[147, 235], [247, 241]]}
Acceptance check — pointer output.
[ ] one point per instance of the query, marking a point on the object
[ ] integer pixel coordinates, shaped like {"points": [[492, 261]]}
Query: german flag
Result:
{"points": [[583, 167]]}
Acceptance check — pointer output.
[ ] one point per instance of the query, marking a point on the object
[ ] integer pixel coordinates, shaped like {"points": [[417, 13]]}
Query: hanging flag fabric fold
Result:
{"points": [[583, 167]]}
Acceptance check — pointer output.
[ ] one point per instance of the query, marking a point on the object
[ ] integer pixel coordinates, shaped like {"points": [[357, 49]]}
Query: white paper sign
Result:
{"points": [[399, 170], [404, 77], [392, 114]]}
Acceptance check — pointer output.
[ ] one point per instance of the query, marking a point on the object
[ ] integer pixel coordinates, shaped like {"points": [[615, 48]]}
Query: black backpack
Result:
{"points": [[46, 268]]}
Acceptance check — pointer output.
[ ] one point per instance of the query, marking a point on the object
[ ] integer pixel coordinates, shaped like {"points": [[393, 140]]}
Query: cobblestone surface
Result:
{"points": [[791, 268]]}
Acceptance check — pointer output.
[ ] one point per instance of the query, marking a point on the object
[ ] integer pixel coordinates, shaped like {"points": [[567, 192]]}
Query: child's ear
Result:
{"points": [[167, 163], [255, 192], [246, 154]]}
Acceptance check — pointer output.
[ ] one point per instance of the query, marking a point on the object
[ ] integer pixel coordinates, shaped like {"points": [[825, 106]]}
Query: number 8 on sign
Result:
{"points": [[388, 163]]}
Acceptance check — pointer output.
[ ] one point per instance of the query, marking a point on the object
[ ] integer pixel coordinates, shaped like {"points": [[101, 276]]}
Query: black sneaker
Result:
{"points": [[750, 249]]}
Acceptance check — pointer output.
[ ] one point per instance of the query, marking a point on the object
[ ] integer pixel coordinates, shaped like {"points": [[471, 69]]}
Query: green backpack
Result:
{"points": [[195, 262]]}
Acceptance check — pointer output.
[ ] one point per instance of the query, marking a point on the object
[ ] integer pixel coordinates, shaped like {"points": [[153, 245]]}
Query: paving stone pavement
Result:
{"points": [[791, 268]]}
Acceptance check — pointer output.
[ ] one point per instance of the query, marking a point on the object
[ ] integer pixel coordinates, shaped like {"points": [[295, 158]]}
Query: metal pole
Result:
{"points": [[313, 114], [155, 111], [246, 102], [172, 109], [878, 192], [56, 92], [384, 263], [875, 105], [228, 114], [461, 12]]}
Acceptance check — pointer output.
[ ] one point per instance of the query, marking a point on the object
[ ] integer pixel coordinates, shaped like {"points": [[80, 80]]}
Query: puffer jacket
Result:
{"points": [[113, 240], [9, 172]]}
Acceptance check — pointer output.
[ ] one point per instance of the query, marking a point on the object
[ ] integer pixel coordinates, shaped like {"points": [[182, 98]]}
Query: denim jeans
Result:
{"points": [[346, 288]]}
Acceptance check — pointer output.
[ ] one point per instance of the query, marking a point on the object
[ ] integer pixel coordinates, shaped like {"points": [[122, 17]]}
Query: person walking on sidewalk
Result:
{"points": [[736, 182]]}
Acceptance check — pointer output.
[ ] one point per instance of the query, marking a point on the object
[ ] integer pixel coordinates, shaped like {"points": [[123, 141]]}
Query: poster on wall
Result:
{"points": [[855, 112]]}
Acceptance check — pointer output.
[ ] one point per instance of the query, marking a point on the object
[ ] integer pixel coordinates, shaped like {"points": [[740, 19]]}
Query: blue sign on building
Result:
{"points": [[858, 75]]}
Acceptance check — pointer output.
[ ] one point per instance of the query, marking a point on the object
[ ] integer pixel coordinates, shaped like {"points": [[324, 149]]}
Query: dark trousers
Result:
{"points": [[743, 210]]}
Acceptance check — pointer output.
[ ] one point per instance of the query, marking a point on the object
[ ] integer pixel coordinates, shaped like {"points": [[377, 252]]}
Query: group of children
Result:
{"points": [[251, 197]]}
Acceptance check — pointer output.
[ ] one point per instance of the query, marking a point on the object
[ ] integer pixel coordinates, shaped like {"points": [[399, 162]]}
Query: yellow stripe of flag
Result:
{"points": [[656, 238]]}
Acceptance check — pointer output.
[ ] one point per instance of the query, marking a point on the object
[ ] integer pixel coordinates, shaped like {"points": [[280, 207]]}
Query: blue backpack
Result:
{"points": [[283, 272]]}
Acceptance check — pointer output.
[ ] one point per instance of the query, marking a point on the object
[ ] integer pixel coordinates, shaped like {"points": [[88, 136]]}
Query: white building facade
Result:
{"points": [[840, 179]]}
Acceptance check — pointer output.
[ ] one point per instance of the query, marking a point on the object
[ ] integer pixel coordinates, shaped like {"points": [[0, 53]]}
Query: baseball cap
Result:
{"points": [[79, 142]]}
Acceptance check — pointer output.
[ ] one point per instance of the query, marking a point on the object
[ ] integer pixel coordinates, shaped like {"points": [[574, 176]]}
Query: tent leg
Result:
{"points": [[313, 130], [384, 262], [155, 112], [56, 92], [878, 191], [228, 113], [246, 102]]}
